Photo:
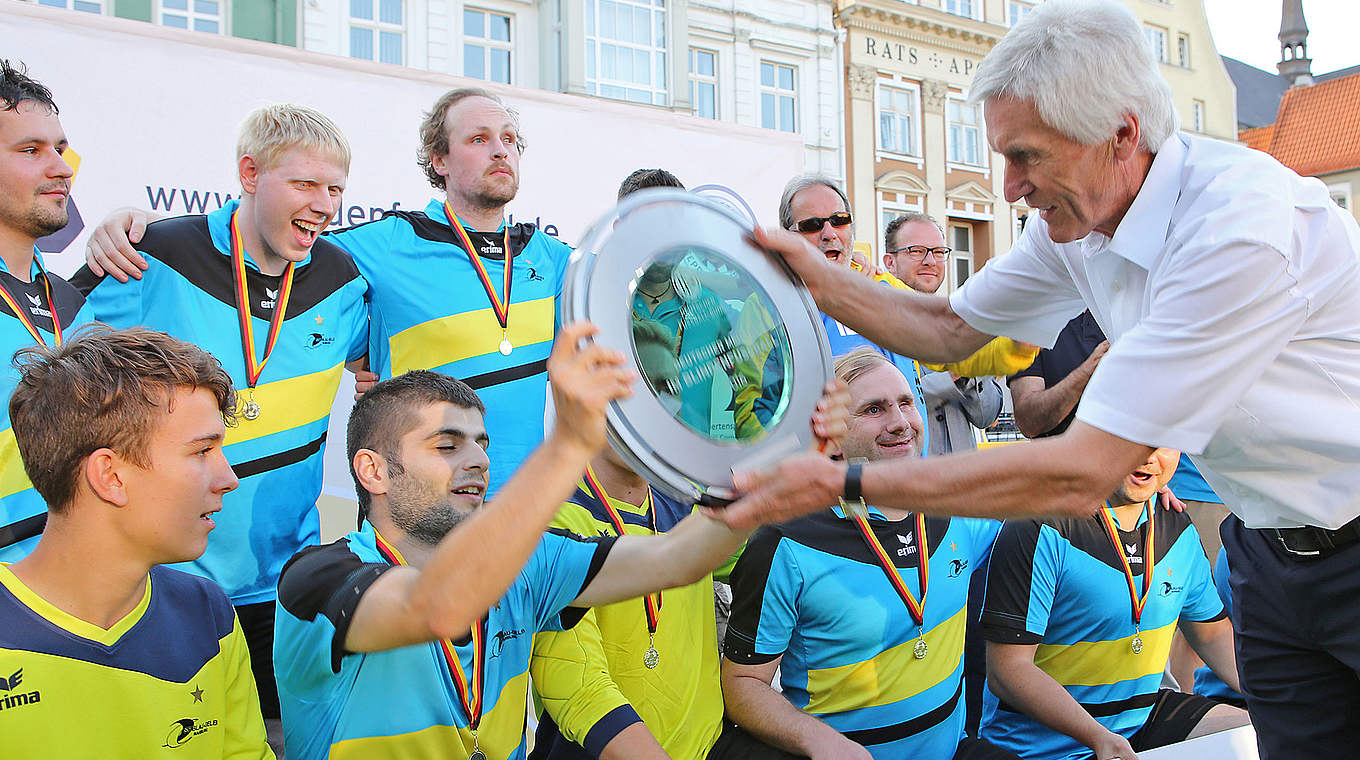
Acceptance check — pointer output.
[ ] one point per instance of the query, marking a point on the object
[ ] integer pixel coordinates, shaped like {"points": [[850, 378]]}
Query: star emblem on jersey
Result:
{"points": [[953, 547], [319, 319], [197, 693]]}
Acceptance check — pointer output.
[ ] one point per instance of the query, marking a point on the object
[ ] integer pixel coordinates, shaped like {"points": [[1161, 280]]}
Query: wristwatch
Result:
{"points": [[852, 496]]}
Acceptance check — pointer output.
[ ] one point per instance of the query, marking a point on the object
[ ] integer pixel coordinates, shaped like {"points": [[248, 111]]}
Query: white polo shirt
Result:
{"points": [[1231, 296]]}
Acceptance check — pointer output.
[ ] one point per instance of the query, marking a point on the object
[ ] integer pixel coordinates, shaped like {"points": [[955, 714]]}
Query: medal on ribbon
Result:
{"points": [[469, 690], [23, 317], [917, 609], [501, 308], [1136, 602], [251, 410], [651, 608]]}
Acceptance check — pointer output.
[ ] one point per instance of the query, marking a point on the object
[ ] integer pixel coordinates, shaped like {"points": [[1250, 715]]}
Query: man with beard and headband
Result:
{"points": [[38, 307], [411, 637], [284, 312], [860, 610], [1078, 617], [453, 288]]}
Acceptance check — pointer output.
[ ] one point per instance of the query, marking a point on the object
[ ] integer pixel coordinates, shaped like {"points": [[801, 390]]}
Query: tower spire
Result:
{"points": [[1294, 65]]}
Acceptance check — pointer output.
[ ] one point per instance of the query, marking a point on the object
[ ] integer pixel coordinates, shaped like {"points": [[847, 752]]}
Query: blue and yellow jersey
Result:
{"points": [[402, 703], [701, 327], [171, 679], [1207, 684], [430, 311], [843, 340], [811, 591], [23, 513], [592, 680], [1059, 584], [188, 291]]}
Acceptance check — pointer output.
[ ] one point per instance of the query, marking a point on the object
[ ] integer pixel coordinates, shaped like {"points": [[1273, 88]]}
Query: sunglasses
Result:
{"points": [[815, 223], [918, 252]]}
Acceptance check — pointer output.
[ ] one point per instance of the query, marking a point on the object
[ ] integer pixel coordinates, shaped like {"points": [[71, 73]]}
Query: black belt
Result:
{"points": [[1311, 542]]}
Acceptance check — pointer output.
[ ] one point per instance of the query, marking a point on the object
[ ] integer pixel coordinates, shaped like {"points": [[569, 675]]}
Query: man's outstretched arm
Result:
{"points": [[755, 706], [479, 559]]}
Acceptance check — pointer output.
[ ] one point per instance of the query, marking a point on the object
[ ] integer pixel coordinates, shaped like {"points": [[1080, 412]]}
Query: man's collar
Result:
{"points": [[35, 267], [1141, 234], [435, 210], [219, 230]]}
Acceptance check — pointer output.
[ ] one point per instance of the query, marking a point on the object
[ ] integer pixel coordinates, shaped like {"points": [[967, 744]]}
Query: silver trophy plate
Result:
{"points": [[726, 339]]}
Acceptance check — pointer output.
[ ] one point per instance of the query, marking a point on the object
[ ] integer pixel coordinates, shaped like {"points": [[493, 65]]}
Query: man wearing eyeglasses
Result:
{"points": [[914, 251]]}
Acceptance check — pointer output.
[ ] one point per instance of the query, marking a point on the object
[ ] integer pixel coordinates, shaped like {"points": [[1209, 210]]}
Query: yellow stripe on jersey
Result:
{"points": [[472, 333], [1099, 663], [286, 404], [13, 479], [69, 622], [894, 675], [501, 731]]}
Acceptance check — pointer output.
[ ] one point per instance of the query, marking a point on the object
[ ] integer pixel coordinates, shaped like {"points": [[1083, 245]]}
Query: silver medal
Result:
{"points": [[1136, 645], [505, 347], [651, 658], [477, 754], [920, 650], [251, 410]]}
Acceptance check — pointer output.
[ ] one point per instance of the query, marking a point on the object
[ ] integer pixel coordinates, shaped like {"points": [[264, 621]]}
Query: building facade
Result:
{"points": [[265, 20], [915, 144]]}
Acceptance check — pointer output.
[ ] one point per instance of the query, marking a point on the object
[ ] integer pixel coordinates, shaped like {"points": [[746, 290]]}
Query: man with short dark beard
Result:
{"points": [[35, 307]]}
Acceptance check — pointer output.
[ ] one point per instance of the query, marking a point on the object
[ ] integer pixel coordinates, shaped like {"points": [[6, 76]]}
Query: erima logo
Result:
{"points": [[184, 729], [907, 548], [13, 698], [503, 636], [273, 297], [36, 301]]}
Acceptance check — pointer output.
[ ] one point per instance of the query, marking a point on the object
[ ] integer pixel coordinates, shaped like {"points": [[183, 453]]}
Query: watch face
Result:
{"points": [[728, 345]]}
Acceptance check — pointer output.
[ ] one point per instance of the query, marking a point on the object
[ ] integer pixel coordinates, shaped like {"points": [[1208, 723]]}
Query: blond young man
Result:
{"points": [[283, 311]]}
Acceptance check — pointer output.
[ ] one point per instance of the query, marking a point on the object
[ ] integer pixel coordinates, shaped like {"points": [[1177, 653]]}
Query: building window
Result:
{"points": [[961, 240], [703, 82], [1341, 195], [377, 30], [897, 120], [969, 8], [965, 135], [1017, 10], [84, 6], [198, 15], [1197, 115], [1156, 37], [778, 97], [486, 45], [626, 50], [1183, 50]]}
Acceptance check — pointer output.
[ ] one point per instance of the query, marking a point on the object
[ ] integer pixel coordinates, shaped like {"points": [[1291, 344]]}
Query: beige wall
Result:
{"points": [[1204, 79], [1345, 188]]}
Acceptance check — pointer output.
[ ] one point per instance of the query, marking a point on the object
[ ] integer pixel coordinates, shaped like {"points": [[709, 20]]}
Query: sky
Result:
{"points": [[1247, 30]]}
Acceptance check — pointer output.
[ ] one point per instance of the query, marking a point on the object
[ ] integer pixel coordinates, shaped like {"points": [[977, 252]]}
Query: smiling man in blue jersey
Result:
{"points": [[862, 615], [104, 651], [283, 311], [35, 306], [384, 646], [1078, 617]]}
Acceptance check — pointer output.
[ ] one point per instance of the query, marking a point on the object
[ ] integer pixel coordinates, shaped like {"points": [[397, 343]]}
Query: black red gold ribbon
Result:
{"points": [[916, 608], [653, 608], [23, 315], [238, 270], [469, 693], [501, 308], [1149, 561]]}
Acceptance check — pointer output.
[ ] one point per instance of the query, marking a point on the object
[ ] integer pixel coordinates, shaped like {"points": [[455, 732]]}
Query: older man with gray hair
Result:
{"points": [[1225, 281]]}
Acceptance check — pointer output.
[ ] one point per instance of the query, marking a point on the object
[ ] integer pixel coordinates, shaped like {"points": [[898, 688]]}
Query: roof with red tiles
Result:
{"points": [[1317, 130]]}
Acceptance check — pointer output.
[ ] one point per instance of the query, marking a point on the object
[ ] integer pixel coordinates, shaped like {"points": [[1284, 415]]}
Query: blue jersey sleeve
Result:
{"points": [[370, 245], [765, 588], [358, 327], [1201, 596], [559, 570], [1022, 579], [984, 532], [117, 304]]}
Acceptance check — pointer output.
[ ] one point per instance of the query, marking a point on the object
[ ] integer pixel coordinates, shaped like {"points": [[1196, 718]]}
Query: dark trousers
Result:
{"points": [[1297, 621], [257, 623], [736, 744]]}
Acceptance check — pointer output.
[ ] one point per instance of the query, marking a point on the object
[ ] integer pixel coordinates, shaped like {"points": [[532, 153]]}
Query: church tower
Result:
{"points": [[1295, 65]]}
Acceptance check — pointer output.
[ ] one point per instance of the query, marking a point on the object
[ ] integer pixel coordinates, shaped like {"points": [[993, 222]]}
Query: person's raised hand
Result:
{"points": [[584, 378], [109, 249], [831, 418], [806, 261]]}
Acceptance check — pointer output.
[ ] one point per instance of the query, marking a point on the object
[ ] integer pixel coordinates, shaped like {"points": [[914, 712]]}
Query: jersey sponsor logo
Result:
{"points": [[316, 340], [273, 298], [184, 730], [1168, 589], [956, 567], [1134, 559], [14, 698], [503, 636], [37, 308], [534, 276], [907, 548]]}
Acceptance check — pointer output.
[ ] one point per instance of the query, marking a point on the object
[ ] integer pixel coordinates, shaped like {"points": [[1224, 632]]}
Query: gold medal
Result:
{"points": [[254, 367], [251, 410], [920, 650], [651, 658], [651, 608], [1136, 645], [916, 608], [1137, 602]]}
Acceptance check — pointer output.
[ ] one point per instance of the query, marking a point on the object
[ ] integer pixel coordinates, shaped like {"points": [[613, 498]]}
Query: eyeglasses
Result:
{"points": [[918, 252], [815, 223]]}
